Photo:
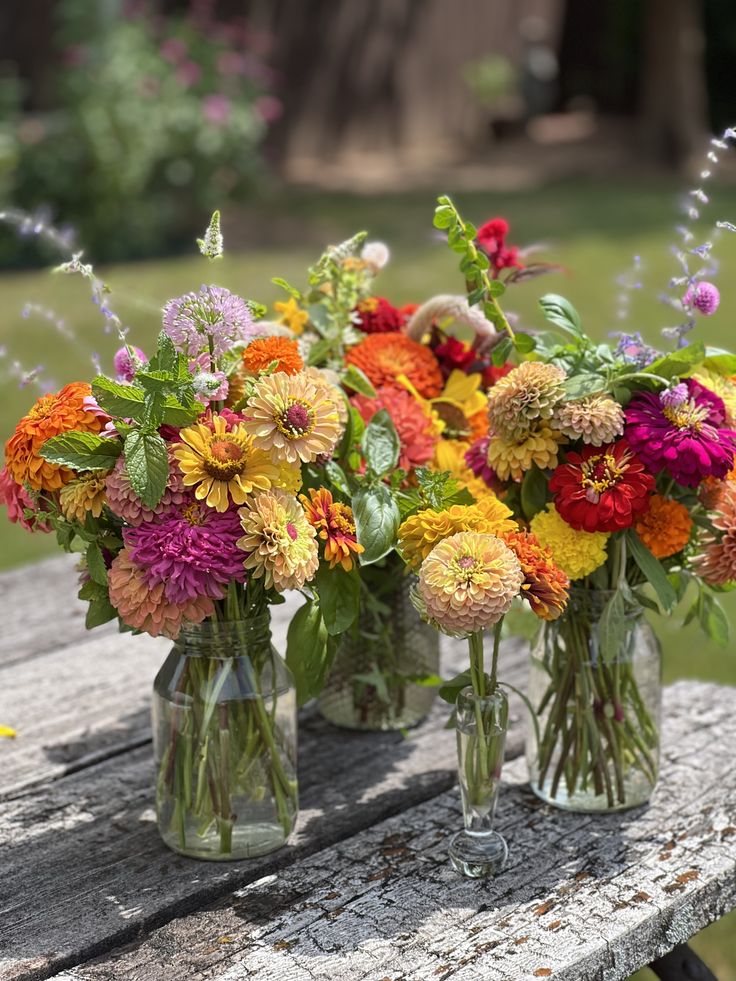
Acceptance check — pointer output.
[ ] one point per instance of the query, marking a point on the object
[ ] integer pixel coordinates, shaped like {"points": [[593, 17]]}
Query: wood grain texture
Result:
{"points": [[584, 897], [81, 864]]}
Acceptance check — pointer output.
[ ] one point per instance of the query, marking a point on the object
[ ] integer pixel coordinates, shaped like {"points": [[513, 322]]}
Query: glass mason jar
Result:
{"points": [[225, 736], [595, 742], [481, 725], [385, 671]]}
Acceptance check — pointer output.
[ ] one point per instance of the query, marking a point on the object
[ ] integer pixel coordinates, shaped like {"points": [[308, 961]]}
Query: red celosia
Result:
{"points": [[494, 373], [492, 239], [601, 489], [453, 354], [378, 316]]}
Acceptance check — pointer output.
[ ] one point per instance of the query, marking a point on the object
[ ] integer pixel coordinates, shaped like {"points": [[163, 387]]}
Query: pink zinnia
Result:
{"points": [[125, 503], [413, 426], [686, 439], [191, 549], [17, 500], [717, 564]]}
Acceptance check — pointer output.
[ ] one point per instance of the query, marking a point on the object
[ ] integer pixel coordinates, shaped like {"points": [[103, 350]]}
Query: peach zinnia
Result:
{"points": [[282, 352], [385, 357], [50, 416]]}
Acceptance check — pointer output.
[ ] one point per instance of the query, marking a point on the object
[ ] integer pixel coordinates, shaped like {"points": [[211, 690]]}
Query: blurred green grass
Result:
{"points": [[593, 230]]}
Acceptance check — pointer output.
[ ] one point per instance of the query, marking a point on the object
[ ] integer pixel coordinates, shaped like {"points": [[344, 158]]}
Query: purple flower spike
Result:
{"points": [[704, 297]]}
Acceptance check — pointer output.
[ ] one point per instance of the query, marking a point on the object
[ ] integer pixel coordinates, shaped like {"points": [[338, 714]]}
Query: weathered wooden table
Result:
{"points": [[364, 890]]}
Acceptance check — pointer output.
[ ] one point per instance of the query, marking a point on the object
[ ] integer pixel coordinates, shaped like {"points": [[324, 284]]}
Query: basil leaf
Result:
{"points": [[339, 597], [380, 444], [309, 651], [376, 521]]}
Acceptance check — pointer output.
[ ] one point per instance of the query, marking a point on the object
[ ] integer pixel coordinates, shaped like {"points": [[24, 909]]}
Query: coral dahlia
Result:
{"points": [[717, 563], [125, 503]]}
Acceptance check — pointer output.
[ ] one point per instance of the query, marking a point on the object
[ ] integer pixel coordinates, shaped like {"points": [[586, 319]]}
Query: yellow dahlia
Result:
{"points": [[578, 553], [546, 586], [293, 416], [468, 582], [292, 315], [510, 459], [522, 398], [665, 527], [419, 534], [595, 419], [51, 415], [280, 541], [84, 495], [224, 464], [335, 525]]}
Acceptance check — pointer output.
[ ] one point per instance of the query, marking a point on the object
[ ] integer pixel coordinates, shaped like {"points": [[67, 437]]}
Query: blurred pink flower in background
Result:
{"points": [[216, 108], [268, 108]]}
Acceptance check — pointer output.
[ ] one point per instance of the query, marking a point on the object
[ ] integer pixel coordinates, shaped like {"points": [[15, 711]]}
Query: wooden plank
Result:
{"points": [[584, 897], [40, 609], [86, 843]]}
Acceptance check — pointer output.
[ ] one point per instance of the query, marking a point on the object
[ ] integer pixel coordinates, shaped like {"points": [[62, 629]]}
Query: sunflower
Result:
{"points": [[51, 415], [224, 464], [293, 417]]}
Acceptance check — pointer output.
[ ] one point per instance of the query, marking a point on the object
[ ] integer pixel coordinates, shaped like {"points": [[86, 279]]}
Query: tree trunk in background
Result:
{"points": [[674, 106], [369, 77]]}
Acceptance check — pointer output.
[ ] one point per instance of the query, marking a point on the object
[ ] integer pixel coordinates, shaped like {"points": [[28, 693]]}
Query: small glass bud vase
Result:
{"points": [[481, 724], [225, 731]]}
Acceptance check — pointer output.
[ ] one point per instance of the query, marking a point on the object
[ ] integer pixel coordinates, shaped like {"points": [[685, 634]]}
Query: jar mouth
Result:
{"points": [[593, 601], [226, 638]]}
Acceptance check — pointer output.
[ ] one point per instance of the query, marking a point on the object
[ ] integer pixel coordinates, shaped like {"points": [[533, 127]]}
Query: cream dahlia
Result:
{"points": [[595, 419]]}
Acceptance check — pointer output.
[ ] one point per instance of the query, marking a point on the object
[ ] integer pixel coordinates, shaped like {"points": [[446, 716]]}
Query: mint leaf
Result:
{"points": [[147, 464], [81, 451], [358, 381], [562, 314], [121, 401]]}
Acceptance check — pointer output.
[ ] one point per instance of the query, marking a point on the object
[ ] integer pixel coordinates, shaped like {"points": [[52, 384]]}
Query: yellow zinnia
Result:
{"points": [[224, 464], [419, 534], [84, 495], [578, 553]]}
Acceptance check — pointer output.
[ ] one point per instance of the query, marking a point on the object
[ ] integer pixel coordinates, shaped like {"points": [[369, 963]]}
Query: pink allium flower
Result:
{"points": [[717, 563], [125, 503], [125, 366], [703, 297], [145, 607], [413, 426], [214, 313], [685, 439], [673, 398], [17, 500], [191, 549]]}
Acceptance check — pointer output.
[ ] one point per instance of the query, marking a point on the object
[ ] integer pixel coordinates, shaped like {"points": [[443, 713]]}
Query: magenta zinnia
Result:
{"points": [[685, 439], [191, 549]]}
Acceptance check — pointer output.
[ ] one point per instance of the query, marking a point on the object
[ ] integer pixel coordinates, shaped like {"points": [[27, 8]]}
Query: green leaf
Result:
{"points": [[308, 650], [339, 597], [181, 411], [380, 444], [722, 362], [524, 343], [124, 401], [562, 314], [452, 688], [100, 611], [580, 385], [444, 216], [337, 477], [653, 571], [96, 564], [376, 680], [612, 628], [357, 380], [147, 464], [533, 492], [713, 620], [292, 291], [166, 357], [81, 451], [92, 590], [319, 351], [677, 363], [502, 352], [376, 521]]}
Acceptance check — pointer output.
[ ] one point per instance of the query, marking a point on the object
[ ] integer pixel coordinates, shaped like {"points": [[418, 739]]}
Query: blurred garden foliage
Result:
{"points": [[153, 121]]}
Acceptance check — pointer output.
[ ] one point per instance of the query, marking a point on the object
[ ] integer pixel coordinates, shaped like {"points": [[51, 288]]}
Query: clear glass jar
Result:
{"points": [[595, 742], [481, 724], [225, 738], [386, 667]]}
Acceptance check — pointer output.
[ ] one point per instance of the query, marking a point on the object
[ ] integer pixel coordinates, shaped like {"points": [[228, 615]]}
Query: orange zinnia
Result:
{"points": [[385, 357], [546, 586], [665, 528], [335, 526], [50, 416], [264, 351]]}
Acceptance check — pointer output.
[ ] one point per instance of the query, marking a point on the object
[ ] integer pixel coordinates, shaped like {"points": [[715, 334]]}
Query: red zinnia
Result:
{"points": [[604, 488]]}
